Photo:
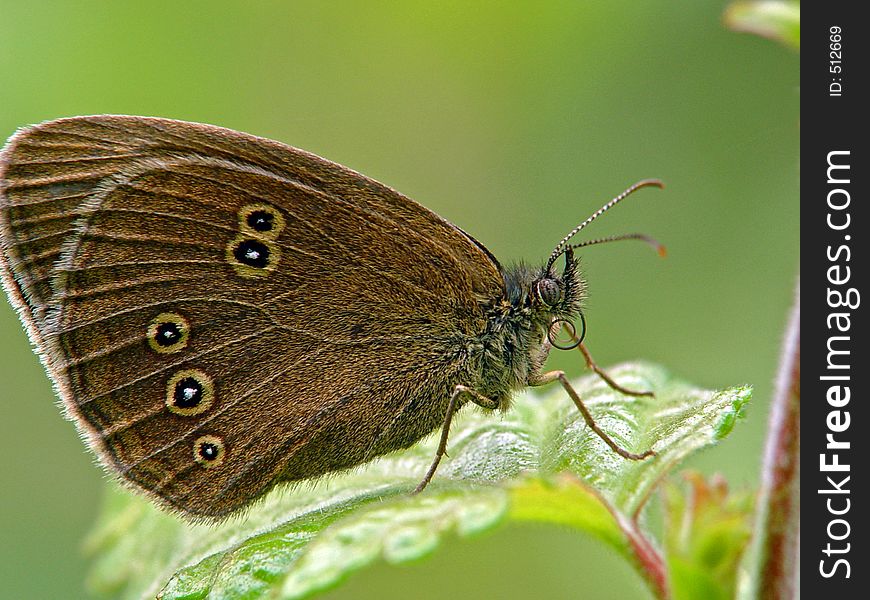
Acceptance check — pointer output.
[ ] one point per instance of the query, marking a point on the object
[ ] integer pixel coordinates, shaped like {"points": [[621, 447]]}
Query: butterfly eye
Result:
{"points": [[548, 291]]}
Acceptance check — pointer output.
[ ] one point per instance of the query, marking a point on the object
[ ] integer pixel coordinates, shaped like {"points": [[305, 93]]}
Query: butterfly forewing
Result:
{"points": [[212, 305]]}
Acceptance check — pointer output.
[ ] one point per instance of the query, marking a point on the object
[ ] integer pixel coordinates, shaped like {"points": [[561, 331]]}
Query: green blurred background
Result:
{"points": [[515, 121]]}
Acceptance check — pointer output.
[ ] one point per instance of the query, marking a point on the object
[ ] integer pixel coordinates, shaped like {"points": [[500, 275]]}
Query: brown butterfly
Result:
{"points": [[221, 312]]}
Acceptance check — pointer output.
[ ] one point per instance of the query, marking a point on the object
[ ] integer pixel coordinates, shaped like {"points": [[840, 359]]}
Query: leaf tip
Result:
{"points": [[740, 397]]}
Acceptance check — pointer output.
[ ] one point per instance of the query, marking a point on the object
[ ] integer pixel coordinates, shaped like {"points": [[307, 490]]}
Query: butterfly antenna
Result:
{"points": [[562, 245], [657, 246]]}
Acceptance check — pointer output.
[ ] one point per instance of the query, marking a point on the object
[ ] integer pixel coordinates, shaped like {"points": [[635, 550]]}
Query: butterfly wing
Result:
{"points": [[220, 311]]}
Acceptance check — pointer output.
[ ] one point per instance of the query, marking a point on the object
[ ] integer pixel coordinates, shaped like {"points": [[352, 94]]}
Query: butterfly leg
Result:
{"points": [[550, 376], [590, 363], [458, 391]]}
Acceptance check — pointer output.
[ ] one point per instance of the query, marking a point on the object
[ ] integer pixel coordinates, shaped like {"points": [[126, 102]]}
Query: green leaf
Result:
{"points": [[778, 20], [707, 534], [537, 462]]}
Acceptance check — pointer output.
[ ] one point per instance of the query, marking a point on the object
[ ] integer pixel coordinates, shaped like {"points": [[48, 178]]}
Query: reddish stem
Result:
{"points": [[648, 557], [644, 553], [778, 523]]}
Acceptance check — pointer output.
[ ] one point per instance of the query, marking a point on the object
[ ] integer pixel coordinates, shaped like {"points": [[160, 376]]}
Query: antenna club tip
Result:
{"points": [[651, 183], [663, 251]]}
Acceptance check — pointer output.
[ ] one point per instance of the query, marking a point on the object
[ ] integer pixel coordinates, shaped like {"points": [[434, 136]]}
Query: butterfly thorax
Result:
{"points": [[515, 342]]}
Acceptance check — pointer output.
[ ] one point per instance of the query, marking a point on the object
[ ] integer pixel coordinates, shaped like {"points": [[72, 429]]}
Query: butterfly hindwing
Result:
{"points": [[218, 310]]}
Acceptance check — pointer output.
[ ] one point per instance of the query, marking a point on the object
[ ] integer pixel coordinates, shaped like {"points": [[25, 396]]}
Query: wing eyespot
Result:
{"points": [[189, 392], [209, 451], [252, 257], [168, 333], [261, 220]]}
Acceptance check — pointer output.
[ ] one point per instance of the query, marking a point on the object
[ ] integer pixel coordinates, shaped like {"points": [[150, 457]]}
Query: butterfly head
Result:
{"points": [[557, 299], [559, 294]]}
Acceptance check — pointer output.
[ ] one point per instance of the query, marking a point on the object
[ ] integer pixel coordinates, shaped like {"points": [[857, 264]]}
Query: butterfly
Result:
{"points": [[220, 312]]}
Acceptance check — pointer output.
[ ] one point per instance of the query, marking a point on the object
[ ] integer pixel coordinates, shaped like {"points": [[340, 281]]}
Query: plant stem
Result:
{"points": [[647, 556], [778, 522]]}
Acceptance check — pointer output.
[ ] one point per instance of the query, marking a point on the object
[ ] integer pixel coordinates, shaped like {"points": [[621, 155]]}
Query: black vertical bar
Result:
{"points": [[834, 232]]}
